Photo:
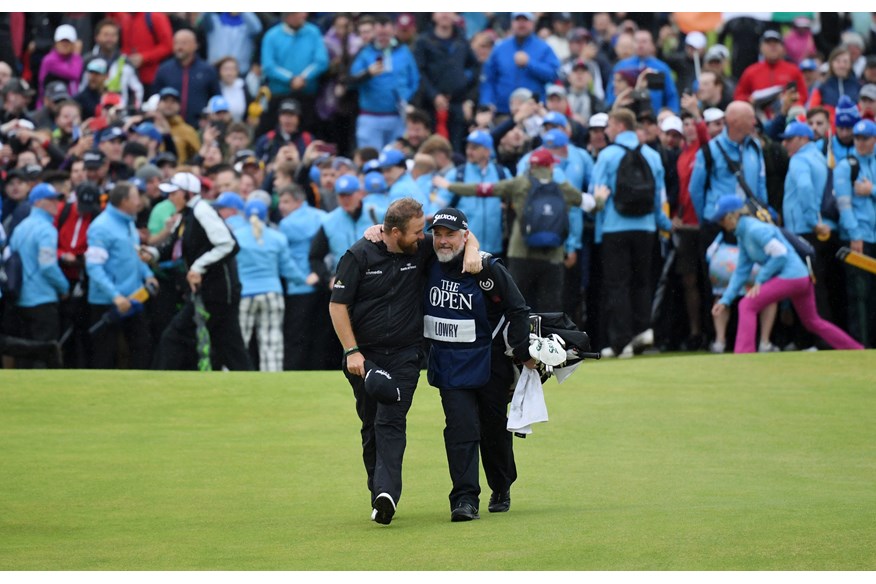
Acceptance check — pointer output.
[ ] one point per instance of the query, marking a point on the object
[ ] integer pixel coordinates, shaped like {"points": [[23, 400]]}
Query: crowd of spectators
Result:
{"points": [[301, 128]]}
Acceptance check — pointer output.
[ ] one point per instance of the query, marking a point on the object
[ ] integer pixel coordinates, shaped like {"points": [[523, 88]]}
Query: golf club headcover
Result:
{"points": [[552, 351]]}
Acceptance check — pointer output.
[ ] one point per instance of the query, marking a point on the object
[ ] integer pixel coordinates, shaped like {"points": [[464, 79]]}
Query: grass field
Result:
{"points": [[761, 462]]}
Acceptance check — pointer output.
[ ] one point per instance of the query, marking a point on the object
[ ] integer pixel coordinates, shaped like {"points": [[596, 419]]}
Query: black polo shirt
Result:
{"points": [[383, 292]]}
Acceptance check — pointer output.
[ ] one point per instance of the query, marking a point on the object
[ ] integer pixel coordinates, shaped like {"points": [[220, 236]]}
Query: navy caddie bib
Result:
{"points": [[456, 325]]}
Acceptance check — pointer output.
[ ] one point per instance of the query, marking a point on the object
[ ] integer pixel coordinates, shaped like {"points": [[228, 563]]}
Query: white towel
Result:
{"points": [[527, 404]]}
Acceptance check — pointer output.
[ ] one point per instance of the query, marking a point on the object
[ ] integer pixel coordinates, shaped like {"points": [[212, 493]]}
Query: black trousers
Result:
{"points": [[309, 339], [105, 340], [626, 273], [38, 323], [74, 318], [860, 291], [178, 347], [830, 281], [477, 418], [384, 426], [300, 348], [540, 282]]}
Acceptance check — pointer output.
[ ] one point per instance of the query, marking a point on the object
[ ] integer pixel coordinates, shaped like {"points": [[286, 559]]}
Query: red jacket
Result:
{"points": [[685, 167], [72, 238], [762, 75], [154, 44]]}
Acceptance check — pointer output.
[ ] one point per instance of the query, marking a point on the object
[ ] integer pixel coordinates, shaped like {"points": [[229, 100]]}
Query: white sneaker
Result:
{"points": [[627, 353], [643, 340], [716, 347], [608, 353], [767, 347]]}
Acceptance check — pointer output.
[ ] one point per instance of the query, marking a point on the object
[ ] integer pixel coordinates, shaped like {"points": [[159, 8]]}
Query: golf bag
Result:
{"points": [[575, 342], [551, 327]]}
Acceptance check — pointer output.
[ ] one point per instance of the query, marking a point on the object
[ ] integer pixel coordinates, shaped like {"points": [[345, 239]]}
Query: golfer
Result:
{"points": [[467, 363], [782, 275], [377, 312]]}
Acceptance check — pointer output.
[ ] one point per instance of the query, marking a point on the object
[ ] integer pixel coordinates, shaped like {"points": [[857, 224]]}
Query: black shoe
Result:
{"points": [[465, 512], [500, 502], [384, 508]]}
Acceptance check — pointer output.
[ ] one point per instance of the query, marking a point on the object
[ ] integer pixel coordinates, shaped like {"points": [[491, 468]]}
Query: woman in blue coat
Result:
{"points": [[263, 258], [782, 275]]}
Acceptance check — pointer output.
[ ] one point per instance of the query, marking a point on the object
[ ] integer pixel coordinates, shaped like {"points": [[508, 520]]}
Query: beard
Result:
{"points": [[410, 248], [447, 255]]}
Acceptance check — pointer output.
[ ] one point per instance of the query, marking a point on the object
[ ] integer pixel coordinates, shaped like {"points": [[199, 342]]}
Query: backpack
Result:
{"points": [[544, 222], [829, 208], [11, 274], [635, 185]]}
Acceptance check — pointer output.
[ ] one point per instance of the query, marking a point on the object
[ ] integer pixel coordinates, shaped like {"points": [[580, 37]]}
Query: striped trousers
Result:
{"points": [[264, 314]]}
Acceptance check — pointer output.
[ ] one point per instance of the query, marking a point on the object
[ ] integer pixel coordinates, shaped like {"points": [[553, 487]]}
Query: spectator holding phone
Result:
{"points": [[661, 87]]}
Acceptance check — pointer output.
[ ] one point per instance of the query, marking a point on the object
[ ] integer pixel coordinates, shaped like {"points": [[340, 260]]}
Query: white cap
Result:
{"points": [[713, 114], [672, 123], [65, 32], [185, 181], [598, 121], [696, 39]]}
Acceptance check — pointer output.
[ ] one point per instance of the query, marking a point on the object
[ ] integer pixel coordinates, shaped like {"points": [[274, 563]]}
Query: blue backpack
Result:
{"points": [[544, 222]]}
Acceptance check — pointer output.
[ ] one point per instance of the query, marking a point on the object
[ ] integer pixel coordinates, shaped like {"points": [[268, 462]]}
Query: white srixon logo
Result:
{"points": [[486, 285]]}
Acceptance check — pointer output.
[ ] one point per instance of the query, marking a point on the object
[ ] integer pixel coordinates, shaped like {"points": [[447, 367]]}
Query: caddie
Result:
{"points": [[467, 363]]}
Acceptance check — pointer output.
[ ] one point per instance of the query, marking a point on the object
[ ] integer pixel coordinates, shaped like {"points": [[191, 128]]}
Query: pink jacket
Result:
{"points": [[799, 46], [68, 69]]}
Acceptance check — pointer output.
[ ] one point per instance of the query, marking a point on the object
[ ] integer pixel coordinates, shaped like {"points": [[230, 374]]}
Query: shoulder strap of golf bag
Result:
{"points": [[757, 208]]}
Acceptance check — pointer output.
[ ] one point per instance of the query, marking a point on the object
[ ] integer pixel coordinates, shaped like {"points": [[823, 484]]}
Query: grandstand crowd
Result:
{"points": [[300, 129]]}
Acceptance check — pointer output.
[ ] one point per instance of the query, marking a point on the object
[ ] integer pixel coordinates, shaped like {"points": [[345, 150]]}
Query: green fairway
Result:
{"points": [[758, 462]]}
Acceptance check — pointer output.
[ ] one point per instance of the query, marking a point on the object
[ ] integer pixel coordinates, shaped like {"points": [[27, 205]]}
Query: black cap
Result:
{"points": [[88, 197], [168, 92], [135, 149], [93, 159], [290, 106], [771, 35], [165, 158], [450, 218], [16, 85], [57, 91], [380, 385], [28, 172], [244, 155]]}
